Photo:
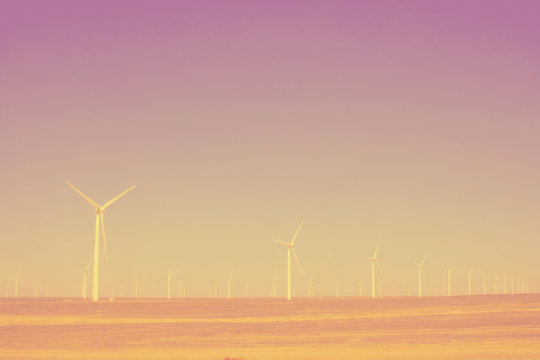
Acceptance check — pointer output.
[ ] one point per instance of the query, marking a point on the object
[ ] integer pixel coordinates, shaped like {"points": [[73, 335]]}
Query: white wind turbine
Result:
{"points": [[450, 269], [420, 273], [180, 284], [17, 282], [484, 276], [310, 287], [274, 287], [229, 278], [496, 284], [99, 218], [469, 274], [290, 248], [85, 281], [373, 260], [169, 275]]}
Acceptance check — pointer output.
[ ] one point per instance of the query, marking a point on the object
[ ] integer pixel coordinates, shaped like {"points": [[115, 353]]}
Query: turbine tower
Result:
{"points": [[450, 269], [229, 285], [169, 275], [85, 281], [99, 218], [469, 274], [274, 287], [290, 248], [373, 260], [17, 282], [420, 272], [484, 276]]}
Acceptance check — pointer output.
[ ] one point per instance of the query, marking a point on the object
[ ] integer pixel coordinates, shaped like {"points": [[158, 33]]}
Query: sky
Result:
{"points": [[414, 124]]}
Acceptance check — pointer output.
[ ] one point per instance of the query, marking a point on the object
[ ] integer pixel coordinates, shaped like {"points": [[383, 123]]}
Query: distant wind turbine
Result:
{"points": [[420, 273], [496, 284], [274, 287], [450, 269], [484, 276], [310, 287], [99, 218], [290, 248], [337, 288], [169, 275], [373, 260], [85, 281], [17, 282], [229, 278], [469, 274]]}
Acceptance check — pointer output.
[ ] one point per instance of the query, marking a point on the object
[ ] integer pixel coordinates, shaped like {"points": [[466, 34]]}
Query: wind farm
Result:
{"points": [[314, 180]]}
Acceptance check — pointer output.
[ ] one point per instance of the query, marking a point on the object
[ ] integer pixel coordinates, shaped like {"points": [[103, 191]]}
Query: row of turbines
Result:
{"points": [[501, 285], [290, 247]]}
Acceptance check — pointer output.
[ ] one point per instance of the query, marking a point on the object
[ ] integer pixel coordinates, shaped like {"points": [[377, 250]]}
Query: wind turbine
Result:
{"points": [[337, 288], [469, 274], [180, 283], [484, 276], [450, 269], [85, 280], [310, 287], [274, 287], [290, 247], [36, 289], [496, 284], [171, 273], [17, 282], [373, 260], [420, 272], [229, 285], [137, 288], [99, 218]]}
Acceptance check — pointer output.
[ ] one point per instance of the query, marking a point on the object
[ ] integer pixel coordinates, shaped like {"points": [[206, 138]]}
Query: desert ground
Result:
{"points": [[458, 327]]}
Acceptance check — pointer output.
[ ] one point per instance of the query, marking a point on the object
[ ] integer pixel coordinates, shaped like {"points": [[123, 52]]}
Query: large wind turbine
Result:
{"points": [[99, 218], [290, 248], [420, 272], [373, 260], [450, 269]]}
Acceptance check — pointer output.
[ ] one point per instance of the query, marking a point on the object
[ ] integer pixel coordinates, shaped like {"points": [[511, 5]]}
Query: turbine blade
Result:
{"points": [[104, 239], [297, 231], [422, 263], [90, 201], [280, 242], [296, 259], [117, 197], [376, 249]]}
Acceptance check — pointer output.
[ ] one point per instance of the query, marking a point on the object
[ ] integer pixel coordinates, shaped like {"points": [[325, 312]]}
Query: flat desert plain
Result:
{"points": [[458, 327]]}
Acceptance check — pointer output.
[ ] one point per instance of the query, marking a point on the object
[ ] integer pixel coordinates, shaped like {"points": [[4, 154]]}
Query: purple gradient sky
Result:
{"points": [[416, 122]]}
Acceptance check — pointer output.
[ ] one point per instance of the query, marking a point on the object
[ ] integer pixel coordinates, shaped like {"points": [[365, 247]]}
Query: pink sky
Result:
{"points": [[410, 121]]}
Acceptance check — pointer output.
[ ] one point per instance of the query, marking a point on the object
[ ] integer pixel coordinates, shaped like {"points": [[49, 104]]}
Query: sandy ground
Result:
{"points": [[461, 327]]}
